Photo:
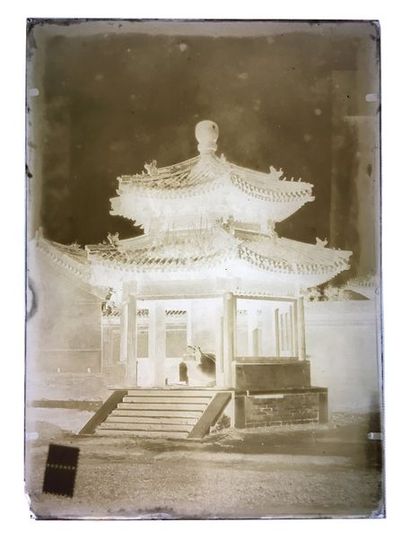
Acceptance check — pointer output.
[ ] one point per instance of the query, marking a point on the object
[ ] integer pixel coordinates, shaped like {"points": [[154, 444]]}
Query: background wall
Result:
{"points": [[63, 334], [342, 344]]}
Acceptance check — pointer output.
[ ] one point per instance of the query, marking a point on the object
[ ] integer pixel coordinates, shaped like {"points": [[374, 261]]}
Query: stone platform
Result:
{"points": [[272, 391]]}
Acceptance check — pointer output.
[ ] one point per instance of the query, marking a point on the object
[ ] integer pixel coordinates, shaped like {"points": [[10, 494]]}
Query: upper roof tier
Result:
{"points": [[207, 188]]}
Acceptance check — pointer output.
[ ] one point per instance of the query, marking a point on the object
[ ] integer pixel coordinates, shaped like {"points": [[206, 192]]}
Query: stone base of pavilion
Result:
{"points": [[281, 407], [268, 391]]}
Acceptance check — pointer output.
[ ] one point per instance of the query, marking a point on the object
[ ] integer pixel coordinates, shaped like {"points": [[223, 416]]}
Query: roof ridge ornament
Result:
{"points": [[151, 168], [321, 242], [206, 133], [113, 239]]}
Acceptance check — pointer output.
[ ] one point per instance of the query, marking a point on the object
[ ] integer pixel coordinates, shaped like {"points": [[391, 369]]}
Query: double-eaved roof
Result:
{"points": [[205, 218]]}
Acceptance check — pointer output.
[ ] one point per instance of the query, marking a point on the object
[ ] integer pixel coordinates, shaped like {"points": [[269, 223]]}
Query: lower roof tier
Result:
{"points": [[282, 264]]}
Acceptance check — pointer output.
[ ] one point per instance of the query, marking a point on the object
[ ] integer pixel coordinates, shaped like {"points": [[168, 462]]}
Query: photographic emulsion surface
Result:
{"points": [[203, 270]]}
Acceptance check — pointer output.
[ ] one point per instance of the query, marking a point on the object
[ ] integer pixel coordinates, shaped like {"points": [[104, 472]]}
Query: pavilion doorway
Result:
{"points": [[176, 341]]}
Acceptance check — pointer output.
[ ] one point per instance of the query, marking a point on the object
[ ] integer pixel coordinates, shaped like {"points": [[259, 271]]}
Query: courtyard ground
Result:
{"points": [[301, 471]]}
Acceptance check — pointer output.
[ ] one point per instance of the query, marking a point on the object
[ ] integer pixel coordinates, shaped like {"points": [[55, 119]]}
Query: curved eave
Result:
{"points": [[367, 291], [159, 264], [299, 268], [69, 259], [193, 179], [286, 191], [140, 206], [300, 272], [196, 171], [315, 265]]}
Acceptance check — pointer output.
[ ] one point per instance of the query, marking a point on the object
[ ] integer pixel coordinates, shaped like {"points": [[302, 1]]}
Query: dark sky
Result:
{"points": [[112, 98]]}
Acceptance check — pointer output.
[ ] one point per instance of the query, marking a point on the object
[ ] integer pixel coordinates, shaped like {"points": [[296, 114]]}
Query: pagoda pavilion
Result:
{"points": [[209, 297]]}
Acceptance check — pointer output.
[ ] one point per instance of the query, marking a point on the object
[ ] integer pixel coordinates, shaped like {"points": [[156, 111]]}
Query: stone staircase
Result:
{"points": [[159, 413]]}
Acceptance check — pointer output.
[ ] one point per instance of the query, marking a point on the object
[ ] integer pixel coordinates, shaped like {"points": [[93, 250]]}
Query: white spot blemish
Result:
{"points": [[307, 137], [32, 436], [34, 92], [318, 112], [99, 77], [182, 46], [372, 97], [243, 76]]}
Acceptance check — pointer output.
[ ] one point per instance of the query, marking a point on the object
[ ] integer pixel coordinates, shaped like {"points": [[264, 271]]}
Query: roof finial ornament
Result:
{"points": [[321, 242], [206, 133]]}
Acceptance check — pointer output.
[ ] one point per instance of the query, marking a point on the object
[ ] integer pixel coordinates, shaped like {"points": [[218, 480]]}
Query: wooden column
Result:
{"points": [[301, 329], [277, 333], [131, 363], [257, 342], [219, 353], [157, 341], [252, 320], [282, 332], [288, 327], [268, 331], [189, 323], [229, 333], [295, 341], [128, 333], [123, 332]]}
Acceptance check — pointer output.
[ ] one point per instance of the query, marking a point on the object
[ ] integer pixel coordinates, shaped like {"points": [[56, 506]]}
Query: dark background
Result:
{"points": [[109, 100]]}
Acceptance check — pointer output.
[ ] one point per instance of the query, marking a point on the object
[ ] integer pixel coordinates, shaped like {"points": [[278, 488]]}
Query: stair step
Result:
{"points": [[159, 413], [162, 406], [151, 419], [146, 427], [181, 399], [143, 433], [154, 413], [171, 392]]}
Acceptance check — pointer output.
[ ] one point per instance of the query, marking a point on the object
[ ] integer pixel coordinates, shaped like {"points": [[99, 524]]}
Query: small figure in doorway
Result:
{"points": [[206, 361], [183, 373]]}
